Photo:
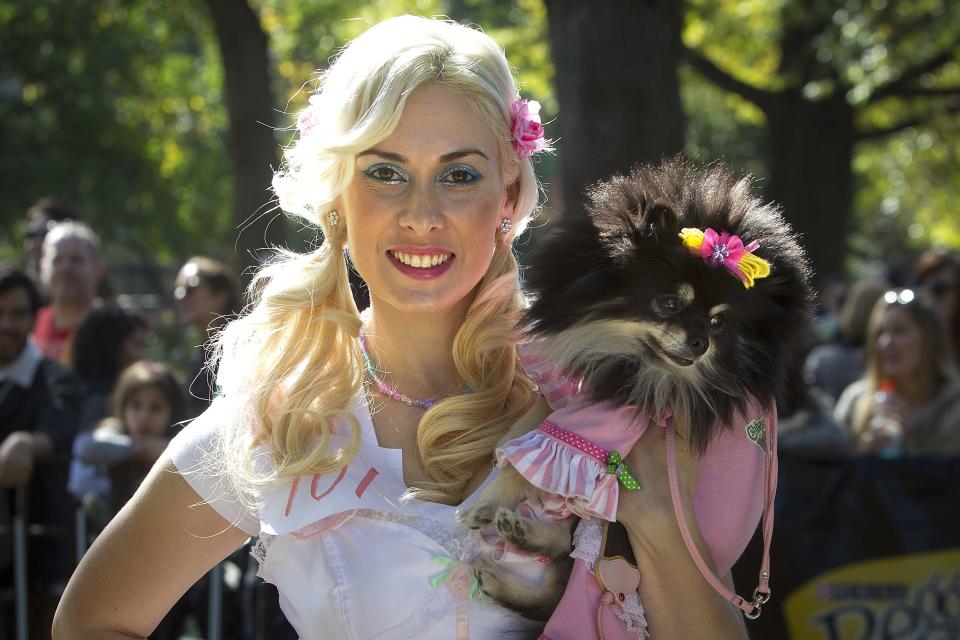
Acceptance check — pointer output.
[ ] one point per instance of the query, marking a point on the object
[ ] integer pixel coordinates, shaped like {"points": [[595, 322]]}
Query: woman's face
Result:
{"points": [[423, 207], [899, 344], [146, 413], [197, 302]]}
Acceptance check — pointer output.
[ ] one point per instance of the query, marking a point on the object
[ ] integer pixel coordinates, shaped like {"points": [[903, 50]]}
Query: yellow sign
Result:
{"points": [[910, 597]]}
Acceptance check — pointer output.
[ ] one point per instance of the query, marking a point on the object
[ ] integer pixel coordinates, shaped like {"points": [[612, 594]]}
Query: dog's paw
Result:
{"points": [[487, 574], [511, 527], [477, 516]]}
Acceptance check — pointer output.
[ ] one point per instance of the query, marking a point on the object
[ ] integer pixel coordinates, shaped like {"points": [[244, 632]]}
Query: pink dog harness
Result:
{"points": [[574, 457]]}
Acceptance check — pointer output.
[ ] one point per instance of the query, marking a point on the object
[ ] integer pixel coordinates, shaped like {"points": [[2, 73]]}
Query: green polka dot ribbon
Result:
{"points": [[616, 466]]}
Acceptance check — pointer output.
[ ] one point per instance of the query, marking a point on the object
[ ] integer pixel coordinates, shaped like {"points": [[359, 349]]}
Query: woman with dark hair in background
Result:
{"points": [[909, 399], [106, 343], [207, 297], [937, 276]]}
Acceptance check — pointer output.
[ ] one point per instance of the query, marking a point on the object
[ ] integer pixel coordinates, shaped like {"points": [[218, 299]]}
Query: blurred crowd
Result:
{"points": [[83, 416], [881, 376]]}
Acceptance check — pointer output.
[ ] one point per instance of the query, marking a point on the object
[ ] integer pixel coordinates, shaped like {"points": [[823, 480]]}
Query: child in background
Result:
{"points": [[148, 404]]}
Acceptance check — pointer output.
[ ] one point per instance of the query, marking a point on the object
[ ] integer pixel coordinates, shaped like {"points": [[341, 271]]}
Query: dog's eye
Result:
{"points": [[717, 322], [668, 304]]}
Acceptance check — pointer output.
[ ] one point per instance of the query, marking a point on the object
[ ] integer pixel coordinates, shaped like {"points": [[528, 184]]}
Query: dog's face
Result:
{"points": [[649, 322]]}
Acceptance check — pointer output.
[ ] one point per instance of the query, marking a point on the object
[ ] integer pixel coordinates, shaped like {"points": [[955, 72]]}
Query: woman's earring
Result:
{"points": [[506, 225], [333, 218]]}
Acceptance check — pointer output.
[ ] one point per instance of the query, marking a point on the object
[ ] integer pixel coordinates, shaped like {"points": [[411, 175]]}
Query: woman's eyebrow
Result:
{"points": [[447, 157], [456, 155], [396, 157]]}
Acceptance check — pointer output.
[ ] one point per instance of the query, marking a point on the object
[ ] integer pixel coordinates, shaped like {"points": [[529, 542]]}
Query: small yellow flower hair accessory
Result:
{"points": [[729, 251]]}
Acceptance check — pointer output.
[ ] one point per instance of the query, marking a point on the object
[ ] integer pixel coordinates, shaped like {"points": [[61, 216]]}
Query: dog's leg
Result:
{"points": [[507, 490], [552, 539], [536, 602]]}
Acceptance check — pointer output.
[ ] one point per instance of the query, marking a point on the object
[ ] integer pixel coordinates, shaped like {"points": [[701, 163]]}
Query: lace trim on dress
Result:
{"points": [[587, 540], [631, 613], [259, 551]]}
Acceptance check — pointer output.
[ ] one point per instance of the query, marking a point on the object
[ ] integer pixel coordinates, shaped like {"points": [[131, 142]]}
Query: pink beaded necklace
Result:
{"points": [[385, 388]]}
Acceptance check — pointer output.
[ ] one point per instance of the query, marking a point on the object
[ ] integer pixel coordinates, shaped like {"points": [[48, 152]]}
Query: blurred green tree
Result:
{"points": [[248, 94], [115, 106], [831, 79]]}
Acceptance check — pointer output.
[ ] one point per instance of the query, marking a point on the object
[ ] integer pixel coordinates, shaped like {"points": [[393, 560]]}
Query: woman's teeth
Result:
{"points": [[421, 261]]}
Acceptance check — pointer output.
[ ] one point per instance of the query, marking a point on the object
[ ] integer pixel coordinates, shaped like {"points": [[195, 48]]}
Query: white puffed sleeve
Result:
{"points": [[194, 452]]}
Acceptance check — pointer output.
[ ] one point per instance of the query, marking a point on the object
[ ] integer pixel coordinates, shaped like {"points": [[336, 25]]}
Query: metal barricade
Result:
{"points": [[21, 529]]}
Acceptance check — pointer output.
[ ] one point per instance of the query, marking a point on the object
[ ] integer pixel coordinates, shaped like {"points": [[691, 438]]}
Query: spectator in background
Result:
{"points": [[832, 367], [148, 403], [937, 277], [830, 296], [38, 400], [70, 271], [42, 216], [108, 341], [909, 399], [206, 296]]}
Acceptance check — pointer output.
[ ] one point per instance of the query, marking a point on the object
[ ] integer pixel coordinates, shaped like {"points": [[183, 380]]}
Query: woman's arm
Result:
{"points": [[160, 543], [678, 601]]}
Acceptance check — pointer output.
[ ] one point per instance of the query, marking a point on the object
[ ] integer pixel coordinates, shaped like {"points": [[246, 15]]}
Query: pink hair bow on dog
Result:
{"points": [[728, 250]]}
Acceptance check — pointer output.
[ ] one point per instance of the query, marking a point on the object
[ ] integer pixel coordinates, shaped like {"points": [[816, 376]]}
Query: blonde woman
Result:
{"points": [[347, 441], [908, 401]]}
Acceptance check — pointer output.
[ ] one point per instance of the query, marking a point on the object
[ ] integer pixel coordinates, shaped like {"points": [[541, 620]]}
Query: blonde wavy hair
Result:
{"points": [[301, 333]]}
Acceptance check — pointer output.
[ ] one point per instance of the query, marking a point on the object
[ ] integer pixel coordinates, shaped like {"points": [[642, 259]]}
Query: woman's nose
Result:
{"points": [[423, 212]]}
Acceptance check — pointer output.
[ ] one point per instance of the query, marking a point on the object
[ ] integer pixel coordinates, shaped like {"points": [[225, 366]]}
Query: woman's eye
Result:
{"points": [[460, 175], [385, 173]]}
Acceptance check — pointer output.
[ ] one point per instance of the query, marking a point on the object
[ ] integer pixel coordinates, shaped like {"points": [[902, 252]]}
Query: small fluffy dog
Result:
{"points": [[653, 303]]}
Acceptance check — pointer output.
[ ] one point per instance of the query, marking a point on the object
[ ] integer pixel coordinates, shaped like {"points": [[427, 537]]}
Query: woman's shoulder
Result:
{"points": [[197, 453], [843, 412]]}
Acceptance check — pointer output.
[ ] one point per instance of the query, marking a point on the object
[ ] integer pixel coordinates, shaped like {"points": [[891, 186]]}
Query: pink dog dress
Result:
{"points": [[570, 457]]}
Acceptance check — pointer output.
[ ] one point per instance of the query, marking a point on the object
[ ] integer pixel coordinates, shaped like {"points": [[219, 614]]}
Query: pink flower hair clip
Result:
{"points": [[526, 127], [309, 118], [727, 250]]}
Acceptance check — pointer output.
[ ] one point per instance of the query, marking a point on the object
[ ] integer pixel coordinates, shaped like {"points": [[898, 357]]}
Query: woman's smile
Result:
{"points": [[423, 263]]}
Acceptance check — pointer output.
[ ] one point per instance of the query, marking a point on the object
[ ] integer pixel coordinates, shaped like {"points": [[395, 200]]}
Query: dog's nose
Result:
{"points": [[698, 344]]}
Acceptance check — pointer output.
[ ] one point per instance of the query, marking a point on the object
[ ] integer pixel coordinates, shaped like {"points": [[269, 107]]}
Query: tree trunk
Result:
{"points": [[811, 153], [243, 49], [616, 81]]}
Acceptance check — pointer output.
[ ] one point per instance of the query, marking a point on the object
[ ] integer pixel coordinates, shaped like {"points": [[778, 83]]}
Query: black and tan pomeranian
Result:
{"points": [[652, 301]]}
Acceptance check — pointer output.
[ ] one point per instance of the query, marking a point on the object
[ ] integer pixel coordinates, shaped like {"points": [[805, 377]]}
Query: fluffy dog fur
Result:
{"points": [[619, 300]]}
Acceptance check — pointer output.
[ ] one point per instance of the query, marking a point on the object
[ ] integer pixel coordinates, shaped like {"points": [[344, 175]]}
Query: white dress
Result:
{"points": [[348, 559]]}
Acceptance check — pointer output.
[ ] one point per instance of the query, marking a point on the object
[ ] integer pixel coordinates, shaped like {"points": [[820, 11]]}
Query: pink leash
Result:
{"points": [[751, 609]]}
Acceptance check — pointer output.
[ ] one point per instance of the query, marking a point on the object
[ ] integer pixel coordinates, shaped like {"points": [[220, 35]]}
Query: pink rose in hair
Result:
{"points": [[310, 116], [527, 129]]}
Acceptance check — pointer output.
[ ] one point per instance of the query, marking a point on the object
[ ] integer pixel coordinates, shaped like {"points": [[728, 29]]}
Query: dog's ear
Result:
{"points": [[659, 220]]}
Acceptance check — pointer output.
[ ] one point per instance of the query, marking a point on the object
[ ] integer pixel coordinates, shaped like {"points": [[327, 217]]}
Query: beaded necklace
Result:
{"points": [[385, 388]]}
